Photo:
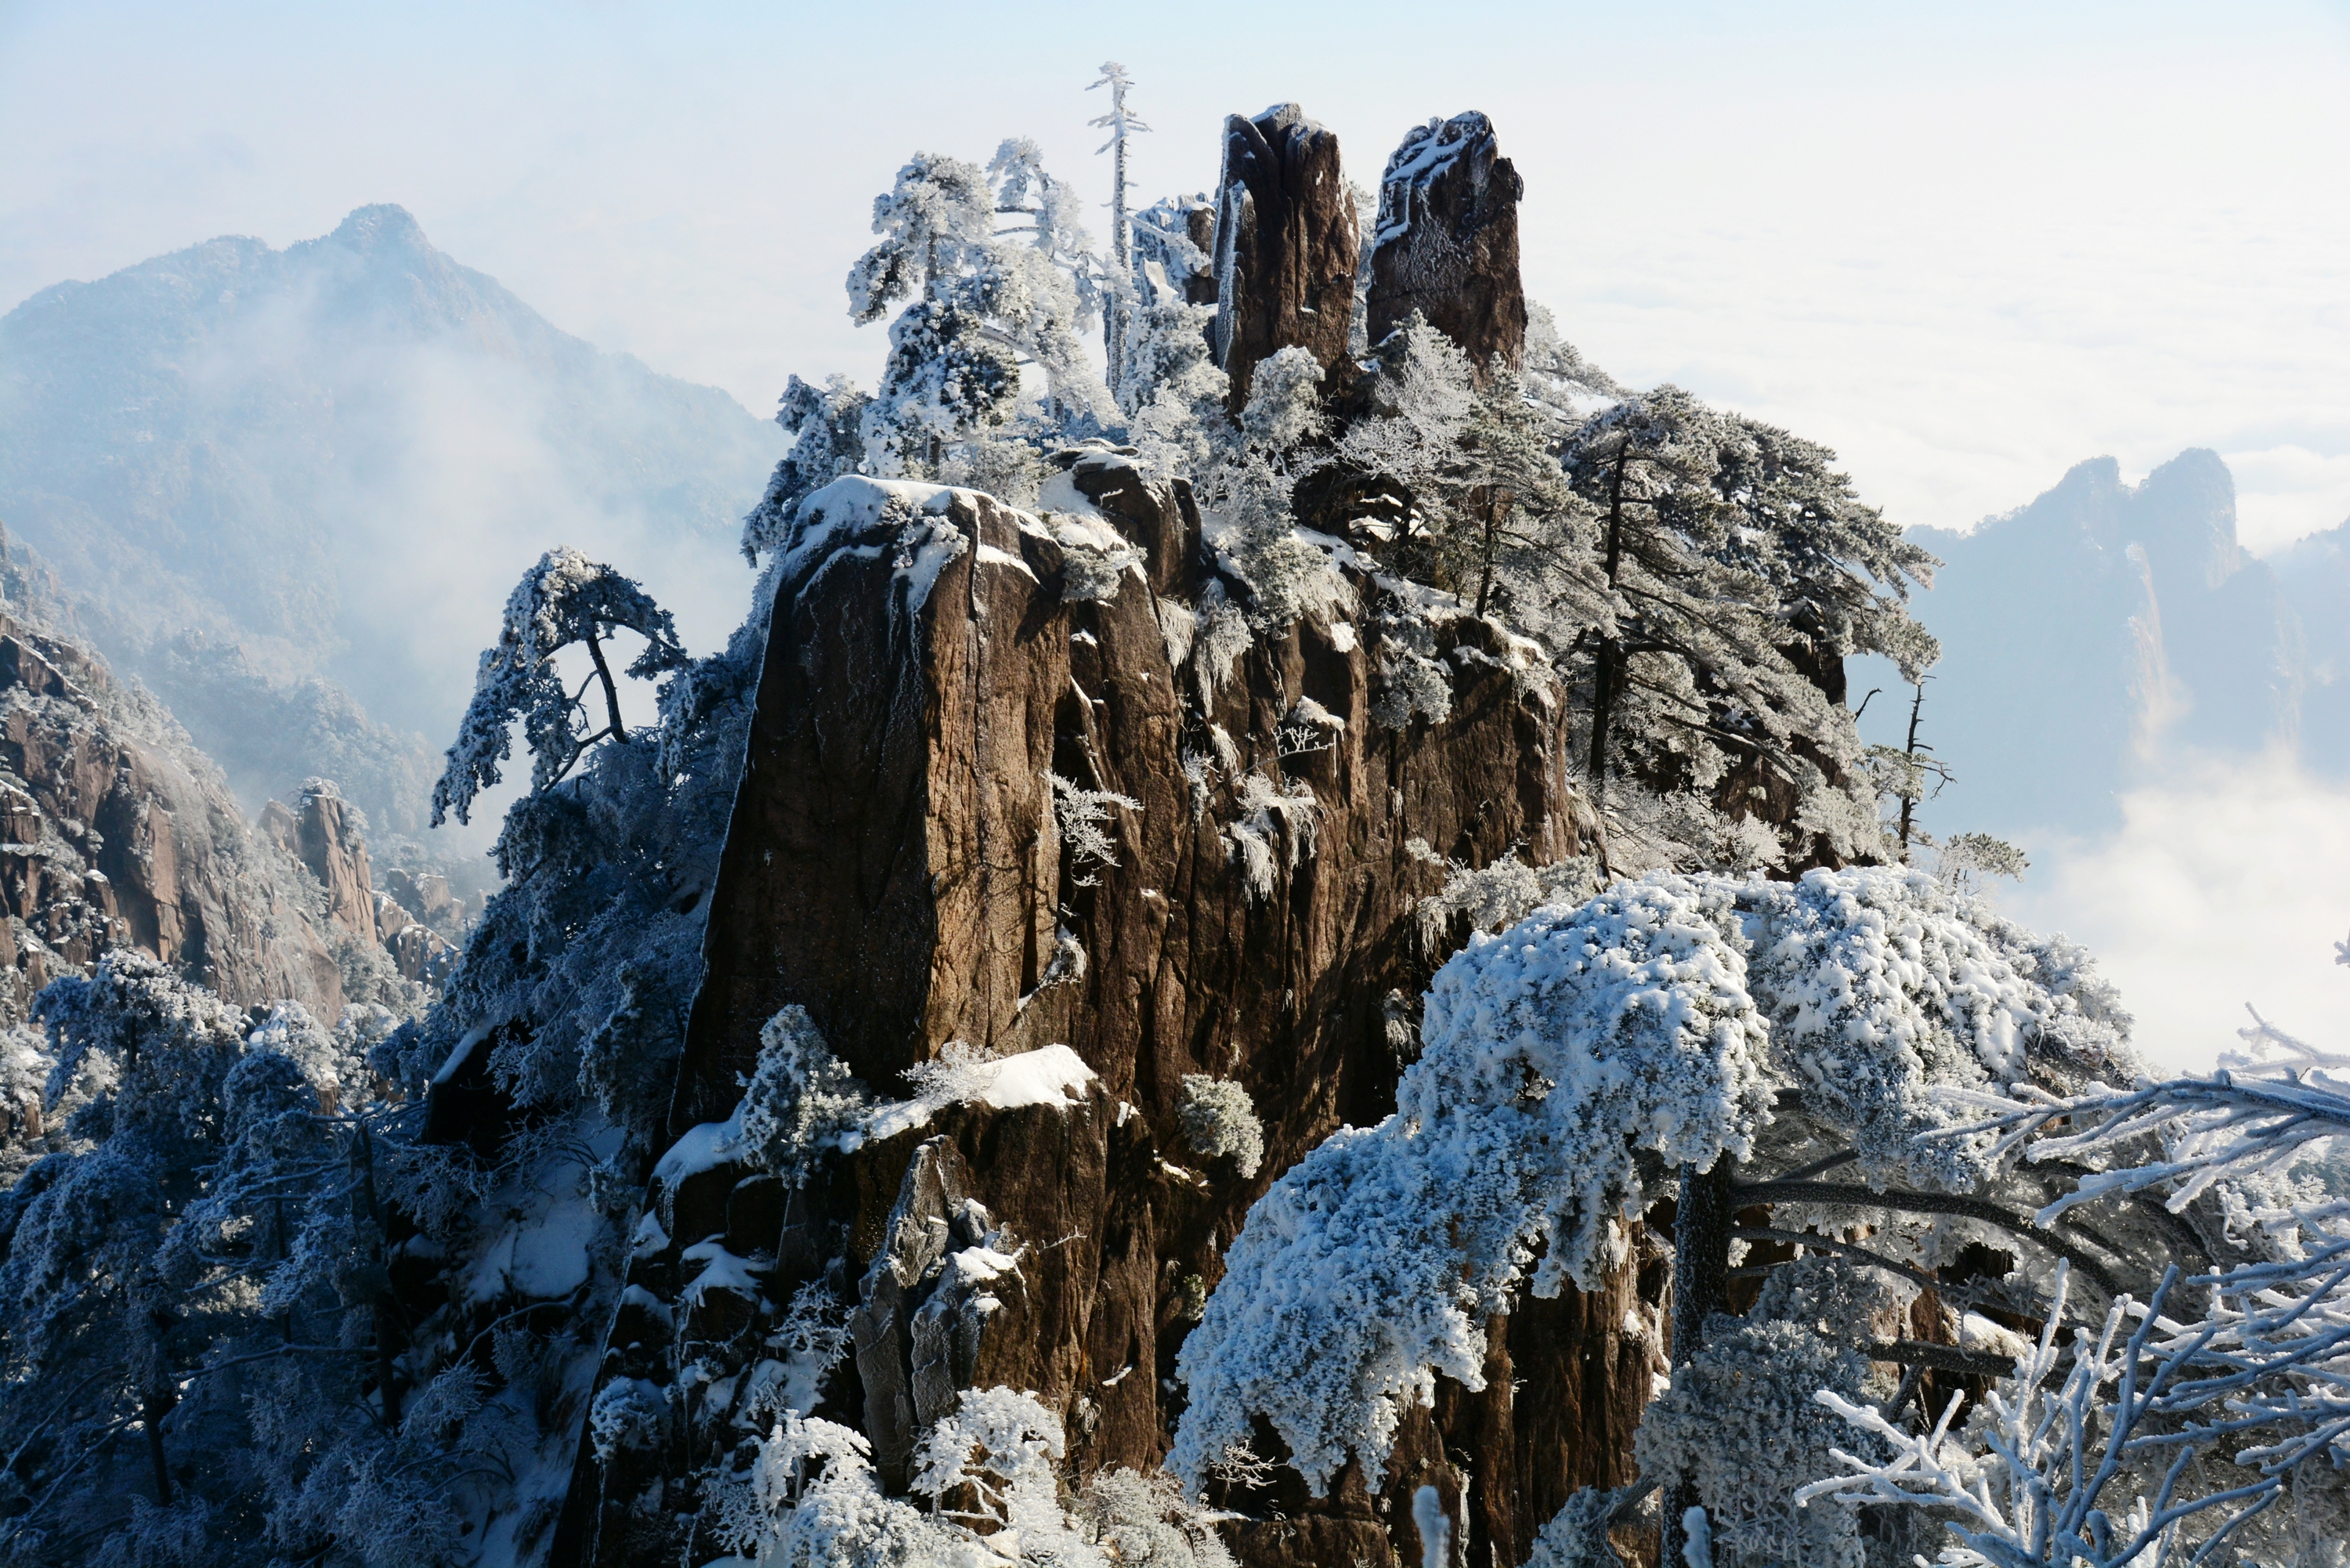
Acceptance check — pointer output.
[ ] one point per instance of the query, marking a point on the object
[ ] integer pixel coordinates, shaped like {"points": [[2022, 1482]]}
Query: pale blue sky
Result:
{"points": [[1967, 246]]}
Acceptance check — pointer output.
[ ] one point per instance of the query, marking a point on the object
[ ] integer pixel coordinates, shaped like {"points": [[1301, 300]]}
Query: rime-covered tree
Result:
{"points": [[1122, 123], [979, 301], [1735, 1043], [827, 427], [202, 1347], [1734, 575], [565, 601], [2210, 1423]]}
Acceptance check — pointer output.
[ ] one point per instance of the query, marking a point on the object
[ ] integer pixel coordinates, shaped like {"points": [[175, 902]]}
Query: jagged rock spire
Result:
{"points": [[1446, 241], [1286, 244]]}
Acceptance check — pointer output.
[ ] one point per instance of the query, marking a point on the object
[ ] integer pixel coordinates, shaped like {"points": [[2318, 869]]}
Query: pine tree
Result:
{"points": [[1122, 123], [1742, 1041], [565, 601]]}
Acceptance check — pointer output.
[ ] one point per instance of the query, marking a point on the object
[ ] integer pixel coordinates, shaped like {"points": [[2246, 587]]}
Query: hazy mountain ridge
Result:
{"points": [[262, 448], [2315, 576], [2089, 635]]}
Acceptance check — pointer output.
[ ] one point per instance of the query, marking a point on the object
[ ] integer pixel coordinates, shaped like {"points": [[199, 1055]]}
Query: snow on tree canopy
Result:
{"points": [[1882, 984], [1625, 1022], [1665, 1015], [1411, 1232], [565, 599]]}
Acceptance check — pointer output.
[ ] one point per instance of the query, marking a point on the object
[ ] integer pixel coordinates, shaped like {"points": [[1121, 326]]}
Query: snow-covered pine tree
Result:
{"points": [[1737, 1043], [209, 1360], [827, 427], [1732, 584], [2211, 1418], [980, 302], [1122, 123], [565, 601]]}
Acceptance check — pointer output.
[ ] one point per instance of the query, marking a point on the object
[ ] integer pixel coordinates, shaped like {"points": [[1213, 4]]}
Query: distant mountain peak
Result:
{"points": [[382, 225]]}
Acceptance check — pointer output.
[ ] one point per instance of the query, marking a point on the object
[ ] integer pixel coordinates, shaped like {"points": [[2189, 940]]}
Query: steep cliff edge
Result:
{"points": [[118, 833], [897, 867]]}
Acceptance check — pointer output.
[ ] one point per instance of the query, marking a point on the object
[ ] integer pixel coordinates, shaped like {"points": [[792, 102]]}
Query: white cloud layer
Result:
{"points": [[2224, 887]]}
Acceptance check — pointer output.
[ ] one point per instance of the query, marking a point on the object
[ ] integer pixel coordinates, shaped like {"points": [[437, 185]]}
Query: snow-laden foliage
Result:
{"points": [[2211, 1418], [1668, 1019], [1274, 829], [565, 600], [1550, 1055], [1219, 1118], [1968, 860], [1742, 1420], [1885, 989], [1500, 893], [990, 1473], [1577, 1536], [799, 1099], [1080, 814], [203, 1368], [1626, 1023], [1335, 1312], [980, 303], [826, 425]]}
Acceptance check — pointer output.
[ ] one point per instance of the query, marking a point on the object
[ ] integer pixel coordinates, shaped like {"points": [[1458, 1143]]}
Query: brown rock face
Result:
{"points": [[1447, 242], [1286, 244], [897, 865], [116, 836], [331, 847]]}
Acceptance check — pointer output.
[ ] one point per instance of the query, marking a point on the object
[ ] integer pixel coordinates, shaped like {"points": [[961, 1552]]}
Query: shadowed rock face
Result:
{"points": [[1447, 242], [897, 867], [330, 846], [115, 838], [1286, 245]]}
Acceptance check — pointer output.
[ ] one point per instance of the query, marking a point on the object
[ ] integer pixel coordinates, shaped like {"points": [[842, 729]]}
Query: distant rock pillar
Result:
{"points": [[1447, 240], [328, 840], [1286, 244]]}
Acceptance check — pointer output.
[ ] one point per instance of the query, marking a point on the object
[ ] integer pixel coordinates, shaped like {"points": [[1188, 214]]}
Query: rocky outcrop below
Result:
{"points": [[1286, 245], [415, 919], [1226, 880], [1447, 240], [118, 833]]}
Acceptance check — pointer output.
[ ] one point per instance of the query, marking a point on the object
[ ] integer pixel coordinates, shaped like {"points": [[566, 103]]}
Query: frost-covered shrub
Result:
{"points": [[1414, 684], [1576, 1535], [1497, 894], [1276, 827], [1623, 1022], [1137, 1517], [629, 1413], [1221, 637], [990, 1473], [798, 1100], [1287, 576], [1284, 401], [1968, 860], [961, 1073], [1219, 1118], [1079, 815]]}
